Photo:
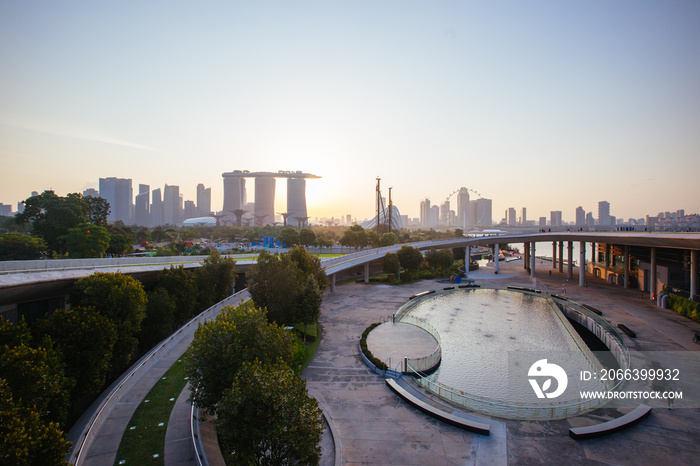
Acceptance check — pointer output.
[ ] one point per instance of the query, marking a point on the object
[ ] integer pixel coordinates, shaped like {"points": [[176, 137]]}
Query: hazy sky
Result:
{"points": [[543, 104]]}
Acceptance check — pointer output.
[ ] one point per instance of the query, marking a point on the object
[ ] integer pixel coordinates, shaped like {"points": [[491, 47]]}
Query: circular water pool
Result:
{"points": [[490, 338]]}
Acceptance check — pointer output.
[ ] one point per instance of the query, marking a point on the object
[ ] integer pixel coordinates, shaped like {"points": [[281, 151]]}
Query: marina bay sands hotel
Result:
{"points": [[264, 211]]}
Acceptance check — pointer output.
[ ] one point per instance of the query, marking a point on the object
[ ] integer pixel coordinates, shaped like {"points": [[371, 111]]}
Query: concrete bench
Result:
{"points": [[466, 424], [627, 330], [615, 425]]}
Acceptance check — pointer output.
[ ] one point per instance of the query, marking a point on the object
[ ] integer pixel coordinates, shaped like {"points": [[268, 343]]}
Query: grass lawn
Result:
{"points": [[145, 435], [311, 346]]}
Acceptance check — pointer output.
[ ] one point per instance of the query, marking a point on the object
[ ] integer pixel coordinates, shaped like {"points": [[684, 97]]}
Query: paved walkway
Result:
{"points": [[375, 427]]}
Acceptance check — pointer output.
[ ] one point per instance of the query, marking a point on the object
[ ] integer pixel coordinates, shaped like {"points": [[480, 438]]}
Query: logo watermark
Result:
{"points": [[542, 368]]}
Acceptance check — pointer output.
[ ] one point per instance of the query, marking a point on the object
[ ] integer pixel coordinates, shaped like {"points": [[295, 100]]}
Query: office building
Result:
{"points": [[118, 193], [142, 206], [445, 213], [604, 213], [157, 210], [580, 216], [190, 210], [463, 208], [425, 212], [523, 217], [481, 212], [92, 192], [510, 217], [555, 218], [171, 205], [203, 201]]}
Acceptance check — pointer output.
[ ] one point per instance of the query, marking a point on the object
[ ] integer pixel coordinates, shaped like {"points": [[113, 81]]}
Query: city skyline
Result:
{"points": [[546, 106]]}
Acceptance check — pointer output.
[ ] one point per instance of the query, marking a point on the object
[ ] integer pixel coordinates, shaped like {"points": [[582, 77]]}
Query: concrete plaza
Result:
{"points": [[374, 426]]}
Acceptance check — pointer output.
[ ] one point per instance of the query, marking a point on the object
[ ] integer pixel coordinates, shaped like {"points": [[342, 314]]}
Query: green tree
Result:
{"points": [[181, 285], [86, 240], [388, 239], [220, 347], [16, 247], [159, 322], [391, 263], [215, 279], [308, 264], [121, 299], [308, 302], [289, 237], [410, 258], [120, 240], [36, 378], [98, 210], [440, 260], [25, 439], [85, 339], [267, 417], [52, 216], [373, 238], [273, 283], [307, 237]]}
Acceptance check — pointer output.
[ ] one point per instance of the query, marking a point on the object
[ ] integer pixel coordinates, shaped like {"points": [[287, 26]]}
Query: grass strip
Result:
{"points": [[144, 437]]}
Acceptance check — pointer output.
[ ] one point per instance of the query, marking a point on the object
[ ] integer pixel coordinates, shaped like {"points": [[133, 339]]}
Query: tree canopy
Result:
{"points": [[16, 247], [220, 347]]}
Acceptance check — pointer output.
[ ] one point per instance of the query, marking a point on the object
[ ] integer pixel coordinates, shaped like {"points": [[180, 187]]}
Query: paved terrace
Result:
{"points": [[374, 426]]}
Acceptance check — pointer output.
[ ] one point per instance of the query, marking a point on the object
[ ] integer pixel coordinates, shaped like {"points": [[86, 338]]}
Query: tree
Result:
{"points": [[25, 439], [440, 260], [308, 302], [307, 237], [388, 239], [273, 283], [120, 240], [86, 240], [309, 264], [85, 339], [215, 279], [160, 318], [121, 299], [410, 258], [391, 263], [52, 216], [289, 237], [181, 286], [220, 347], [98, 210], [267, 417], [17, 247], [36, 378]]}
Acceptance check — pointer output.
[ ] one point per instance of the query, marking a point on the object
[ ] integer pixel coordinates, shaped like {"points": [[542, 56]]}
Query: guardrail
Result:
{"points": [[423, 364]]}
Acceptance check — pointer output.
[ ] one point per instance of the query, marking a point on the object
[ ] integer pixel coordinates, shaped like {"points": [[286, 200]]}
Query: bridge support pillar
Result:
{"points": [[532, 259], [495, 257], [554, 254], [693, 273], [570, 271], [367, 272], [627, 267], [561, 256], [467, 259], [333, 283], [526, 262], [652, 281], [582, 264]]}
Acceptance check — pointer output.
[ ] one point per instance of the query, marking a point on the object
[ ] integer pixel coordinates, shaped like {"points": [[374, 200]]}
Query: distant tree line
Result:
{"points": [[52, 370]]}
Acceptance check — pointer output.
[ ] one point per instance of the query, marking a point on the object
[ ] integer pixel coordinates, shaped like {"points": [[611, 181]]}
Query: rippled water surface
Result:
{"points": [[478, 328]]}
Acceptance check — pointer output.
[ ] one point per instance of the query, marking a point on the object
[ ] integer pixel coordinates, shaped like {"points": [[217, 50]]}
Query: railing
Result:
{"points": [[425, 363]]}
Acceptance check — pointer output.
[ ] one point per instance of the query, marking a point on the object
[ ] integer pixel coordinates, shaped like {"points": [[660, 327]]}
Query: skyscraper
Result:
{"points": [[203, 201], [445, 213], [511, 219], [142, 207], [171, 205], [264, 211], [118, 192], [481, 211], [555, 218], [580, 216], [157, 211], [296, 200], [425, 212], [190, 210], [463, 217], [523, 220], [604, 213]]}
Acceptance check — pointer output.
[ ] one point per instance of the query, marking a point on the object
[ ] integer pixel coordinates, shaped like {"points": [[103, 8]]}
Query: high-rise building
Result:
{"points": [[157, 208], [445, 213], [555, 218], [92, 192], [171, 205], [543, 221], [463, 208], [6, 210], [203, 201], [580, 216], [434, 216], [142, 206], [590, 220], [604, 213], [481, 212], [264, 200], [234, 193], [118, 193], [190, 210], [425, 212], [296, 200], [523, 219], [511, 219]]}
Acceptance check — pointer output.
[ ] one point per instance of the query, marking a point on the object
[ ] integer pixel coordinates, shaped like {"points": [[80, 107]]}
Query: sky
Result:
{"points": [[547, 105]]}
